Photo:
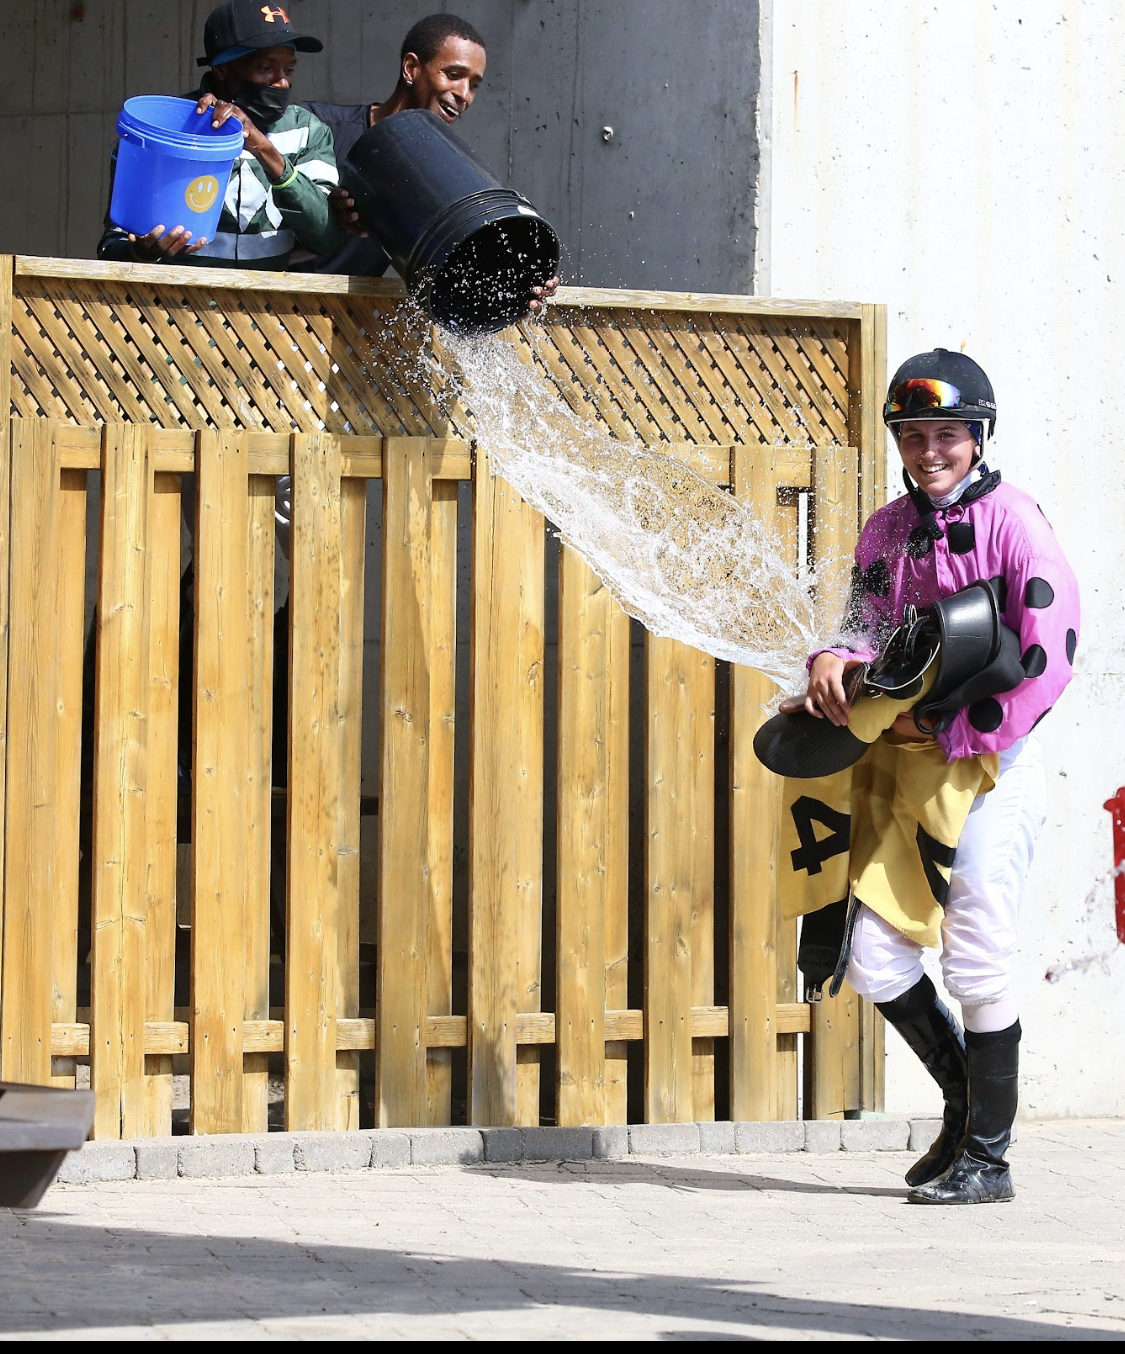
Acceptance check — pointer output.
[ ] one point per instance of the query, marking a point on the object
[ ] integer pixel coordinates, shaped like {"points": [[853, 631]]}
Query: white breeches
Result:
{"points": [[979, 928]]}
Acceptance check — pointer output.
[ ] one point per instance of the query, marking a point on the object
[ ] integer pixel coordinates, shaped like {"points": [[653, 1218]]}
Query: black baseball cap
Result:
{"points": [[249, 25]]}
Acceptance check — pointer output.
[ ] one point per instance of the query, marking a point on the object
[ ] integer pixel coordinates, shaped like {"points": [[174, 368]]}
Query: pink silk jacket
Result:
{"points": [[994, 532]]}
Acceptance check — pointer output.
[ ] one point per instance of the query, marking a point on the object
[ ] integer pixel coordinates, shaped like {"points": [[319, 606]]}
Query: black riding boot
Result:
{"points": [[980, 1174], [932, 1033]]}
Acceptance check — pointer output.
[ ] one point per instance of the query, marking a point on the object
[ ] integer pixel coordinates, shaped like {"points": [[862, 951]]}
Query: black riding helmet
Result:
{"points": [[940, 384]]}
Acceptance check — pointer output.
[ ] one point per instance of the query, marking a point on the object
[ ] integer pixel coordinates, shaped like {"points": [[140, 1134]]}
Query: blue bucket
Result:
{"points": [[172, 166]]}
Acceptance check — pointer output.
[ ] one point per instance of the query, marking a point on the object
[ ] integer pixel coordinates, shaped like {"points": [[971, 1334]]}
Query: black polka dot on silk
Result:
{"points": [[1071, 645], [920, 544], [1038, 593], [1035, 661], [987, 715], [962, 537], [1000, 588], [877, 578]]}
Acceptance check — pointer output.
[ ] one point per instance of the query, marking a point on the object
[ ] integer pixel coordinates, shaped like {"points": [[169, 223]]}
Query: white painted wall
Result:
{"points": [[964, 162]]}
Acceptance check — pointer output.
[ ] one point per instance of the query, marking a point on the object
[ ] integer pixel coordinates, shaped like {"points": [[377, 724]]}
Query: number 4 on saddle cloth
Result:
{"points": [[869, 816]]}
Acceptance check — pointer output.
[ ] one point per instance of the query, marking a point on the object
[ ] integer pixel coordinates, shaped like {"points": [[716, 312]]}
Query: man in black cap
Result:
{"points": [[277, 194], [441, 67]]}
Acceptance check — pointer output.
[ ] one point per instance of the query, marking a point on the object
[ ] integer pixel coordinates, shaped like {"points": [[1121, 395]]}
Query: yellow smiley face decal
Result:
{"points": [[202, 192]]}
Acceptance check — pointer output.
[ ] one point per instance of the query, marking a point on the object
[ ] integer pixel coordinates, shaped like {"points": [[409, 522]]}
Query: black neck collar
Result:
{"points": [[926, 510]]}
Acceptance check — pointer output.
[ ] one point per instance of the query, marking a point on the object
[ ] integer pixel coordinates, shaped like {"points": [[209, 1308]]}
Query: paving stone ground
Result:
{"points": [[794, 1245]]}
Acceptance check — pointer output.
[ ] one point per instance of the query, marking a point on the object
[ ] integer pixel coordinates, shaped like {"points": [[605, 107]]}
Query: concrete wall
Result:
{"points": [[961, 161], [667, 201]]}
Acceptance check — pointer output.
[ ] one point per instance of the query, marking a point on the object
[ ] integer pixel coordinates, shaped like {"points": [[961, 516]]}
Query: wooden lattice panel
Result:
{"points": [[105, 350], [697, 377], [111, 343]]}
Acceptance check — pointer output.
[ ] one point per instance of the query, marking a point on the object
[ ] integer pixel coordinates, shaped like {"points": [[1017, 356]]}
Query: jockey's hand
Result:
{"points": [[825, 694]]}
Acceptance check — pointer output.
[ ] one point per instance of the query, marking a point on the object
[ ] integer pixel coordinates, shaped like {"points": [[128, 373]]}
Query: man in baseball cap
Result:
{"points": [[240, 27]]}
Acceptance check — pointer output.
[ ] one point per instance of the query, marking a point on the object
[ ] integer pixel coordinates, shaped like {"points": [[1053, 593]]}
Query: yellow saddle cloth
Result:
{"points": [[886, 828]]}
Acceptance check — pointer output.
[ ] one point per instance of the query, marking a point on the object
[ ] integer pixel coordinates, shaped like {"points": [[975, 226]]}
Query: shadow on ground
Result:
{"points": [[60, 1276]]}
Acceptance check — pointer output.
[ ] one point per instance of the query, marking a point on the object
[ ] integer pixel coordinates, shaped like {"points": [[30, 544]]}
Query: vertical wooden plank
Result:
{"points": [[832, 1052], [754, 836], [405, 902], [26, 995], [506, 799], [68, 754], [867, 383], [260, 552], [7, 268], [353, 527], [787, 1085], [443, 708], [312, 953], [220, 783], [162, 782], [120, 841], [583, 779], [679, 878], [616, 732]]}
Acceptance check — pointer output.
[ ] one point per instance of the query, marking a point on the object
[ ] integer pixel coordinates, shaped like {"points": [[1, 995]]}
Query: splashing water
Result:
{"points": [[686, 559], [1091, 908]]}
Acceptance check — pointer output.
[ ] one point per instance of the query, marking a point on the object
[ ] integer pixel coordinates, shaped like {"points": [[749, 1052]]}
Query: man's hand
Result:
{"points": [[158, 245], [825, 695], [256, 142], [541, 295], [343, 209]]}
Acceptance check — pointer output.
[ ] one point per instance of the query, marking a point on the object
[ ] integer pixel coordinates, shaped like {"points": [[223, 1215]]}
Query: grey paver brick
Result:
{"points": [[786, 1135], [274, 1154], [390, 1147], [332, 1151], [822, 1135], [157, 1158], [96, 1161], [557, 1144], [502, 1144], [922, 1134], [717, 1137], [657, 1140], [609, 1141], [874, 1135], [446, 1146], [217, 1155]]}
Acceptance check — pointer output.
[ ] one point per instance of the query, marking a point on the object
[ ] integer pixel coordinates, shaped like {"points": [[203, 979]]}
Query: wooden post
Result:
{"points": [[220, 783], [592, 864], [832, 1072], [120, 875], [506, 799], [312, 953], [443, 709], [7, 268], [405, 898], [32, 822], [67, 777], [353, 529], [163, 785], [755, 805], [260, 558], [679, 878]]}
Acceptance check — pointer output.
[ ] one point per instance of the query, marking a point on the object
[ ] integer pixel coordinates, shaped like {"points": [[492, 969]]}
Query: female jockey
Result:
{"points": [[958, 524]]}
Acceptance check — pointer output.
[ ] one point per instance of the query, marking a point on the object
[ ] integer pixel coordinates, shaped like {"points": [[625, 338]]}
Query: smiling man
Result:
{"points": [[441, 67]]}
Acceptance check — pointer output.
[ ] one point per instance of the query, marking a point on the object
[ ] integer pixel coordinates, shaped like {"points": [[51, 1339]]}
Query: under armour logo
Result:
{"points": [[272, 12]]}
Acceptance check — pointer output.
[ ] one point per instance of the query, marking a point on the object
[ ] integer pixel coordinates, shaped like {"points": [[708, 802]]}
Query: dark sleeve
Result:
{"points": [[115, 244]]}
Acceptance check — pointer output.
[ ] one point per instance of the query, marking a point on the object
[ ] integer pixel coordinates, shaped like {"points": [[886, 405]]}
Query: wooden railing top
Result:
{"points": [[240, 279]]}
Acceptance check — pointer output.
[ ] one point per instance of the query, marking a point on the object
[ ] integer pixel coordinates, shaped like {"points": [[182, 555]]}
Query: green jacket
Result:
{"points": [[260, 224]]}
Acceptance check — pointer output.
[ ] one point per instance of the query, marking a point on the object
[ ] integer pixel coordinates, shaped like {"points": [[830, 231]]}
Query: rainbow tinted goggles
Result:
{"points": [[921, 392]]}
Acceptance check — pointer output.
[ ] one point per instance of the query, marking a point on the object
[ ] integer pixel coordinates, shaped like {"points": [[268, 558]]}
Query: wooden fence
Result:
{"points": [[570, 913]]}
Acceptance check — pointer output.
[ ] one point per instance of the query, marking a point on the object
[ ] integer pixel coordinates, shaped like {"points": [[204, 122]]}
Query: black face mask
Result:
{"points": [[263, 104]]}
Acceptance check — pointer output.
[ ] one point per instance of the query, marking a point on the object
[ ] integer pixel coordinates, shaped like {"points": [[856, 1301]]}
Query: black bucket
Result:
{"points": [[469, 249]]}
